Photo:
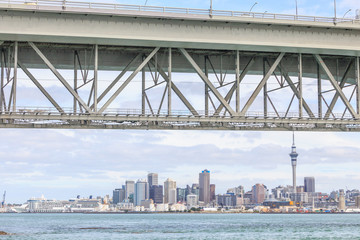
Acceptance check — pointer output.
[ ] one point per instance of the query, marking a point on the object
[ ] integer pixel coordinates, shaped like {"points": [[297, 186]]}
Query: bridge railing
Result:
{"points": [[63, 4], [174, 113]]}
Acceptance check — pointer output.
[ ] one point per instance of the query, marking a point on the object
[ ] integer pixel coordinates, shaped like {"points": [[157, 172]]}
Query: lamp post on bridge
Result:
{"points": [[253, 6], [347, 13], [296, 8], [211, 8], [335, 11]]}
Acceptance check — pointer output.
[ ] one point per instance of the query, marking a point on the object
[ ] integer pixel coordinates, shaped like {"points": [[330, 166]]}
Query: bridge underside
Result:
{"points": [[122, 87]]}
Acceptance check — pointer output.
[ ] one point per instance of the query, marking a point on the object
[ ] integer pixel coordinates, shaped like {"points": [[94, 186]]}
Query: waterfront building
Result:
{"points": [[177, 207], [258, 193], [309, 184], [169, 191], [195, 189], [294, 156], [129, 189], [148, 205], [181, 195], [204, 186], [239, 191], [357, 201], [300, 197], [153, 179], [341, 205], [226, 200], [118, 195], [156, 194], [192, 200], [300, 189], [212, 193], [141, 191], [162, 207]]}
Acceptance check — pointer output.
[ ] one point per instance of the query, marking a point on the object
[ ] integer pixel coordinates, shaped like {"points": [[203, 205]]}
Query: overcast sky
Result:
{"points": [[64, 163]]}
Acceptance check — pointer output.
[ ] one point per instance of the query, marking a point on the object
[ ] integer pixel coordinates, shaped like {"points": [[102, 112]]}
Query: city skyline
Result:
{"points": [[62, 163], [55, 175]]}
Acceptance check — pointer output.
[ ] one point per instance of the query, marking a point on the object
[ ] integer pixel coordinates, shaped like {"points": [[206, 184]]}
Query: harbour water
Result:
{"points": [[180, 226]]}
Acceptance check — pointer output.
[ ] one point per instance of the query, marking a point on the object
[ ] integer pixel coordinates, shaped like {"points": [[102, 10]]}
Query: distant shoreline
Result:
{"points": [[115, 213]]}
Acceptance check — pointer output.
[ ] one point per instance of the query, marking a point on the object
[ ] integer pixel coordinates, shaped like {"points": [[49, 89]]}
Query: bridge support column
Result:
{"points": [[206, 88], [265, 89], [300, 86], [237, 79], [75, 82], [319, 89], [14, 86], [143, 86], [96, 62], [170, 81]]}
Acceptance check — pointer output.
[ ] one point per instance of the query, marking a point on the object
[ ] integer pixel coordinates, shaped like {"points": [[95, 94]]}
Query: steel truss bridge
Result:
{"points": [[257, 71]]}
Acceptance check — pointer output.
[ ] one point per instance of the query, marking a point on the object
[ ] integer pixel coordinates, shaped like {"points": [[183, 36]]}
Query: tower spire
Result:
{"points": [[293, 138], [294, 156]]}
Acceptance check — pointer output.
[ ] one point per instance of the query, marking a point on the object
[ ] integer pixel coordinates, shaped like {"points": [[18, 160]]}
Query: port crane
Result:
{"points": [[3, 201]]}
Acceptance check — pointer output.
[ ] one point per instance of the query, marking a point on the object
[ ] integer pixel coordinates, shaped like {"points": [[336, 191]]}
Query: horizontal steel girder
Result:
{"points": [[116, 58], [213, 33], [86, 121]]}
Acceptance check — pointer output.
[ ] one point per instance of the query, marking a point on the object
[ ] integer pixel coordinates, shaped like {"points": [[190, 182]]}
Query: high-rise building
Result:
{"points": [[153, 179], [118, 195], [258, 193], [342, 200], [169, 191], [156, 194], [141, 191], [294, 156], [226, 200], [357, 201], [204, 186], [309, 184], [129, 189], [195, 189], [192, 200], [212, 192], [181, 195]]}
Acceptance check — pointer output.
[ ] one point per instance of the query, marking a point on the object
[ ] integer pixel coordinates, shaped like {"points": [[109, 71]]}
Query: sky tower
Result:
{"points": [[293, 156]]}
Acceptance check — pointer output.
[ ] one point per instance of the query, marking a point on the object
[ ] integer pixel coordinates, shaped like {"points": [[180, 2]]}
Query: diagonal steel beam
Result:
{"points": [[128, 80], [113, 83], [233, 88], [40, 87], [176, 90], [342, 84], [61, 78], [335, 84], [207, 82], [1, 43], [295, 90], [357, 76], [262, 83]]}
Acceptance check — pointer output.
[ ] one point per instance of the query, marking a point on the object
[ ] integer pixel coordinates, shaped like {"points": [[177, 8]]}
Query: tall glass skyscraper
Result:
{"points": [[204, 186], [129, 189], [153, 179], [309, 184], [169, 191], [141, 191]]}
